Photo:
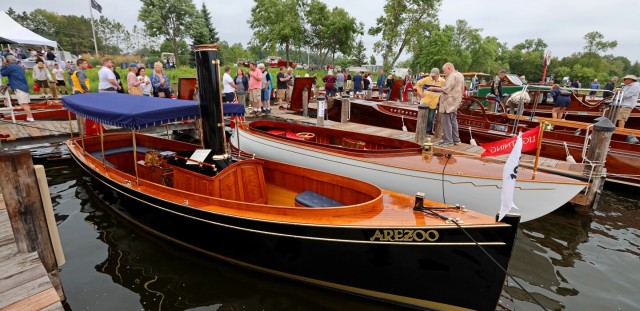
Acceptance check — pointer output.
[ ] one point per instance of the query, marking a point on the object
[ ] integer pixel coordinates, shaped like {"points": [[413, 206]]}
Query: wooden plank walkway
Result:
{"points": [[526, 160], [36, 129], [24, 283]]}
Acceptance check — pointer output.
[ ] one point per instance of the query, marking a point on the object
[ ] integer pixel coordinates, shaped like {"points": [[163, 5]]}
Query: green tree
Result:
{"points": [[359, 56], [213, 34], [169, 18], [401, 26], [372, 60], [277, 23], [595, 43], [526, 58]]}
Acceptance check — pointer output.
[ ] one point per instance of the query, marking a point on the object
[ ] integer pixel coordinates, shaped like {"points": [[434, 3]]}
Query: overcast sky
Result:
{"points": [[561, 24]]}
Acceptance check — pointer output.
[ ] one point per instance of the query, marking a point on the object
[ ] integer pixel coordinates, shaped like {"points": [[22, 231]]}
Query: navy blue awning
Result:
{"points": [[136, 112]]}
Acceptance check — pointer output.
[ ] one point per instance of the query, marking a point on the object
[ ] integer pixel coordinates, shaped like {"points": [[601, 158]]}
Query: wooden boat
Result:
{"points": [[44, 110], [621, 160], [580, 108], [342, 233], [400, 165]]}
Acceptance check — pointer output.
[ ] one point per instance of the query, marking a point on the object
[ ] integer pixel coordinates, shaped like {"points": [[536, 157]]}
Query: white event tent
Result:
{"points": [[13, 31]]}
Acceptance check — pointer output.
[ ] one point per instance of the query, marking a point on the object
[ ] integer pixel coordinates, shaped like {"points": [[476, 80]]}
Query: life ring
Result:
{"points": [[306, 135]]}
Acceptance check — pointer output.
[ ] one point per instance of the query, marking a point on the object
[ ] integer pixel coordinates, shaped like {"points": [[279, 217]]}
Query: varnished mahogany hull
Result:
{"points": [[452, 274], [621, 159]]}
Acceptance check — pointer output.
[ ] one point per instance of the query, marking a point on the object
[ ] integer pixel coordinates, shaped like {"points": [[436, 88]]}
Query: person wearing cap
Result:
{"points": [[17, 83], [430, 98], [496, 84], [630, 89], [450, 101], [133, 83]]}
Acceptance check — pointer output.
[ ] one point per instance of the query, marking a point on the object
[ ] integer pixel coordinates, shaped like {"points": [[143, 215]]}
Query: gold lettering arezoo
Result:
{"points": [[400, 235]]}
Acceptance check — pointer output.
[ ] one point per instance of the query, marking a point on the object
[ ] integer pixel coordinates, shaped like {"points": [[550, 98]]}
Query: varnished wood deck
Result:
{"points": [[24, 283], [526, 160]]}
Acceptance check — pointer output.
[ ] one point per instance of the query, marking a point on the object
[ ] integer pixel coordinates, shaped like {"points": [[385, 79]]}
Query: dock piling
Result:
{"points": [[595, 159], [322, 105], [421, 125], [305, 103], [345, 112], [26, 213]]}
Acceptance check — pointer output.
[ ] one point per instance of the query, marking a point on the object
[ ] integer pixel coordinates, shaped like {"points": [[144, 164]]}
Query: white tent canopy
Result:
{"points": [[15, 32]]}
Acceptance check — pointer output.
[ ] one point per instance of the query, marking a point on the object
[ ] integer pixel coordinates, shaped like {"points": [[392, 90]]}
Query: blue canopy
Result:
{"points": [[136, 112]]}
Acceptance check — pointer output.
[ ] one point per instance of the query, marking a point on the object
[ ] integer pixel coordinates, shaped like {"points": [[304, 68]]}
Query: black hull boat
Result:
{"points": [[397, 265], [377, 244]]}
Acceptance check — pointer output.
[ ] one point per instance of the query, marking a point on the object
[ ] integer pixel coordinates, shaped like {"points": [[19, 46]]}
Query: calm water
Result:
{"points": [[566, 260]]}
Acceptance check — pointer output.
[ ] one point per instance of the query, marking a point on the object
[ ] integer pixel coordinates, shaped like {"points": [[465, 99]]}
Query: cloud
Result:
{"points": [[561, 24]]}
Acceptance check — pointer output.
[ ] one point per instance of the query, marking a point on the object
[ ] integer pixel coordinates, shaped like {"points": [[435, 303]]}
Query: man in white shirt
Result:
{"points": [[229, 88], [107, 82]]}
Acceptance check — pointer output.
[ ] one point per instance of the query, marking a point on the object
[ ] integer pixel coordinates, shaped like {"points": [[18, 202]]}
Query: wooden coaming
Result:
{"points": [[334, 139], [385, 208]]}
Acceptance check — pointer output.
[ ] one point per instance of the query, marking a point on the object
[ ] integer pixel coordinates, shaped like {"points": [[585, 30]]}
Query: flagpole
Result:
{"points": [[95, 43], [535, 165]]}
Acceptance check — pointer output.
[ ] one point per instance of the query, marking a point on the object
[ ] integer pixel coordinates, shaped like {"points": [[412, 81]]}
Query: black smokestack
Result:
{"points": [[208, 73]]}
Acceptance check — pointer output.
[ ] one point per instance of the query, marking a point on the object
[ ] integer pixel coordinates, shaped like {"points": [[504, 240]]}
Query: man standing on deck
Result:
{"points": [[380, 83], [18, 84], [450, 101], [281, 85], [255, 88], [631, 89], [496, 84], [290, 83], [430, 98], [609, 87]]}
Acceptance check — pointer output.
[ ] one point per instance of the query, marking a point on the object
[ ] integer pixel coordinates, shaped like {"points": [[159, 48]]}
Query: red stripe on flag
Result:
{"points": [[496, 148]]}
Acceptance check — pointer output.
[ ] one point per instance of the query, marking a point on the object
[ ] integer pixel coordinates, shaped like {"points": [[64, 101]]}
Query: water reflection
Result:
{"points": [[578, 262]]}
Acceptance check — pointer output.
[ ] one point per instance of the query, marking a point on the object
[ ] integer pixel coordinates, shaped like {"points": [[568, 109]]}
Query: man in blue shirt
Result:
{"points": [[357, 84], [380, 83], [18, 84]]}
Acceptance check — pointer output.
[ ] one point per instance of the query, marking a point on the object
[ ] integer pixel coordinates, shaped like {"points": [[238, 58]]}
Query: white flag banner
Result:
{"points": [[509, 175]]}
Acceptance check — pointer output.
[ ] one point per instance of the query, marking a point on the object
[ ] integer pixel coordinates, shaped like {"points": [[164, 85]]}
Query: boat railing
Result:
{"points": [[615, 106], [518, 112]]}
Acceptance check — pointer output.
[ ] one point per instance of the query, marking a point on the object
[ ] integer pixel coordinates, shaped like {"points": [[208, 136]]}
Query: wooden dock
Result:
{"points": [[24, 283]]}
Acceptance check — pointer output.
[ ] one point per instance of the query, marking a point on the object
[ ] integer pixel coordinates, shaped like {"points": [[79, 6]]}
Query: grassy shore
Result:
{"points": [[173, 75]]}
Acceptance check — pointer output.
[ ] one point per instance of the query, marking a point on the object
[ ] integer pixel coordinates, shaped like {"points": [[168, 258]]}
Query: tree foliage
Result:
{"points": [[206, 16], [277, 23], [403, 24], [172, 19], [359, 56], [330, 31]]}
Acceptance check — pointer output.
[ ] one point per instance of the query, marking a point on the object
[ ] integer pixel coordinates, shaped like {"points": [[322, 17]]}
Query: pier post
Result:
{"points": [[305, 103], [421, 125], [26, 213], [345, 112], [595, 159], [322, 105]]}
